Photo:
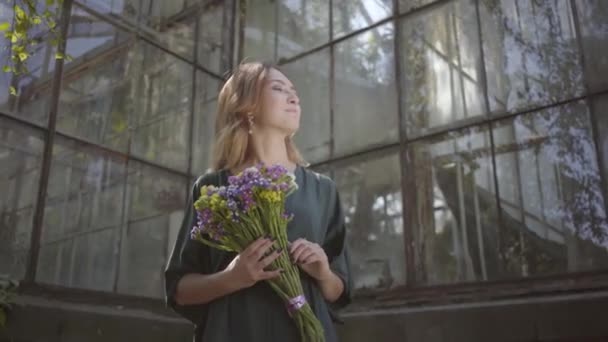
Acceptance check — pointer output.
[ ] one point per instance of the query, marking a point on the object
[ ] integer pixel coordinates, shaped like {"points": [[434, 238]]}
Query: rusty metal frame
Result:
{"points": [[34, 247], [407, 178], [481, 289]]}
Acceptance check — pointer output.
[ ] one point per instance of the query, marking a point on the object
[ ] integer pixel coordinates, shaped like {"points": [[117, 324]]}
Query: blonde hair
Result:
{"points": [[240, 96]]}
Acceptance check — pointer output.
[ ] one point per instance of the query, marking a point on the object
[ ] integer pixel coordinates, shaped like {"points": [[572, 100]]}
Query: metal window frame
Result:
{"points": [[537, 285]]}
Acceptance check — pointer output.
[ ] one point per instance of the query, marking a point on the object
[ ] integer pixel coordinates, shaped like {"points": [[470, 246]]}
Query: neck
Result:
{"points": [[269, 149]]}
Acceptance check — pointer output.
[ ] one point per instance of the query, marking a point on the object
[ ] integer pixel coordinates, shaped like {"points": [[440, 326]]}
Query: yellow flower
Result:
{"points": [[270, 196]]}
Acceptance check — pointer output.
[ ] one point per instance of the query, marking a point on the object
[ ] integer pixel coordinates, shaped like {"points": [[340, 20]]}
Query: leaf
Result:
{"points": [[7, 68], [23, 56], [59, 55], [14, 38], [50, 3], [13, 91], [36, 20], [52, 24], [19, 13], [5, 26], [69, 58]]}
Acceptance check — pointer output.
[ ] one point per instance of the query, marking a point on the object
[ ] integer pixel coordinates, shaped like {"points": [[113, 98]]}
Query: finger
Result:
{"points": [[299, 252], [253, 246], [311, 259], [271, 274], [296, 244], [305, 255], [264, 250], [302, 244], [260, 248], [265, 262]]}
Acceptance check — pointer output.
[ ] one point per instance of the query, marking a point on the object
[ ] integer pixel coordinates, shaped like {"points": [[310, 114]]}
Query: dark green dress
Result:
{"points": [[256, 314]]}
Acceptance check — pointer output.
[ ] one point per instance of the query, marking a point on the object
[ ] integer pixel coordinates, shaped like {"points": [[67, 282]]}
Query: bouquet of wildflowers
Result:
{"points": [[252, 206]]}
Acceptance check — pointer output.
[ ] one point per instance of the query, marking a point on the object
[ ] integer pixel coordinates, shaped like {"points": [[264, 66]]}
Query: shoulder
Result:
{"points": [[323, 182], [211, 177]]}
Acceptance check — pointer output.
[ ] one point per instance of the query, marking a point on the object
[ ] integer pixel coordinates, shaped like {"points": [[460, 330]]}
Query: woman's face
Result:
{"points": [[280, 105]]}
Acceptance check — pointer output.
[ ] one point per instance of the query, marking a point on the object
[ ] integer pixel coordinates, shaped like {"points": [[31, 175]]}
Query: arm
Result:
{"points": [[244, 271]]}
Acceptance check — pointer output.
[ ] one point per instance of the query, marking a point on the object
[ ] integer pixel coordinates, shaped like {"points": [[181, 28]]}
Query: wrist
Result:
{"points": [[232, 281], [325, 275]]}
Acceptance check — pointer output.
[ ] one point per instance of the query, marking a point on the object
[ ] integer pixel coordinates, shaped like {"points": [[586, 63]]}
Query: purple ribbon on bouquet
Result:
{"points": [[296, 303]]}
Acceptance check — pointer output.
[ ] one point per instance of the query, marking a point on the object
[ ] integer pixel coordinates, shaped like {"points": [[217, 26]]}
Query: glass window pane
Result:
{"points": [[260, 30], [83, 213], [349, 15], [531, 53], [453, 216], [85, 261], [125, 11], [98, 91], [204, 122], [20, 159], [365, 93], [211, 46], [162, 116], [170, 24], [408, 5], [370, 192], [310, 76], [594, 34], [554, 214], [440, 73], [155, 208], [302, 25], [599, 112], [33, 88]]}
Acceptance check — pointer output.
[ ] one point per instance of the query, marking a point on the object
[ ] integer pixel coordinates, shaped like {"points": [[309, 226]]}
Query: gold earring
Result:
{"points": [[250, 118]]}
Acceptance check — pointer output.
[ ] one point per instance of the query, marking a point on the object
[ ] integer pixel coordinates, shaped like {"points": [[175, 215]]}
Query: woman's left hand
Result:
{"points": [[311, 258]]}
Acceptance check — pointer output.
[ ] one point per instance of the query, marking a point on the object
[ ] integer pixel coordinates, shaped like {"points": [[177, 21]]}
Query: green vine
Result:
{"points": [[8, 291], [26, 17]]}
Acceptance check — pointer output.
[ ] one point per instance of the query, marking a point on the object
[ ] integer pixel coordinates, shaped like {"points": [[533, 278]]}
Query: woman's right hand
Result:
{"points": [[247, 268]]}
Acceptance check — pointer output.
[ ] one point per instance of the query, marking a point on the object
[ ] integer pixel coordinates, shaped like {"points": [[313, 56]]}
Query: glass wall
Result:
{"points": [[142, 73], [467, 138]]}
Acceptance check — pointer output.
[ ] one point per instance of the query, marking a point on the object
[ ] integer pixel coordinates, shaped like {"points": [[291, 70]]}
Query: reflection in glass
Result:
{"points": [[260, 30], [125, 11], [83, 213], [155, 208], [204, 122], [441, 67], [170, 23], [370, 192], [98, 92], [594, 35], [531, 53], [210, 44], [302, 25], [310, 76], [20, 161], [365, 93], [454, 217], [349, 15], [408, 5], [599, 106], [553, 207], [162, 116], [33, 88]]}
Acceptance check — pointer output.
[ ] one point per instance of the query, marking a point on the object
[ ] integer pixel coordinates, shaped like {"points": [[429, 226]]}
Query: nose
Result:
{"points": [[293, 99]]}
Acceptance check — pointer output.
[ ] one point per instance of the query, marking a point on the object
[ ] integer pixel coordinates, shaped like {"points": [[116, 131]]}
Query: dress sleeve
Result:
{"points": [[336, 248], [188, 256]]}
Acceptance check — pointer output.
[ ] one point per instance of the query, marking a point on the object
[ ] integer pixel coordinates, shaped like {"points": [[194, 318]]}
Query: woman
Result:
{"points": [[224, 294]]}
